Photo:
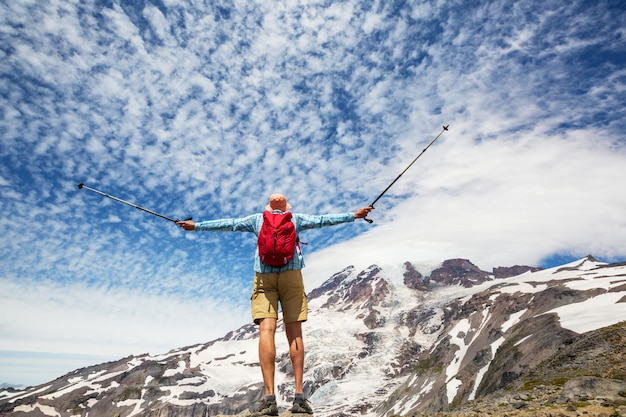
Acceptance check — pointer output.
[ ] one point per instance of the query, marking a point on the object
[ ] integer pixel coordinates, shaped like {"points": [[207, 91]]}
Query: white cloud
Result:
{"points": [[497, 204], [77, 319]]}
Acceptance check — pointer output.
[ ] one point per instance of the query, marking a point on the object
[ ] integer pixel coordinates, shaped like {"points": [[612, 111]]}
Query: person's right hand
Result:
{"points": [[187, 225], [362, 212]]}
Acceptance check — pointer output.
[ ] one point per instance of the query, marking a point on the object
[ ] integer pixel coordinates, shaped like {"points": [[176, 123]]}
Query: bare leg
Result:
{"points": [[267, 353], [296, 352]]}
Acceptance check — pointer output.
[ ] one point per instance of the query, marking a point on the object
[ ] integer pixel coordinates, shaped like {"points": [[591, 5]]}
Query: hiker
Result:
{"points": [[274, 284]]}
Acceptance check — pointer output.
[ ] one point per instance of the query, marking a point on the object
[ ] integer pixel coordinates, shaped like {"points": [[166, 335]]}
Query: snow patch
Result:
{"points": [[44, 409], [178, 370], [594, 313]]}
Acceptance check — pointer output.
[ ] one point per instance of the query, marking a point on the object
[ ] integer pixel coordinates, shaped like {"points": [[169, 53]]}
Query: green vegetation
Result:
{"points": [[131, 393], [559, 382], [530, 385], [427, 365]]}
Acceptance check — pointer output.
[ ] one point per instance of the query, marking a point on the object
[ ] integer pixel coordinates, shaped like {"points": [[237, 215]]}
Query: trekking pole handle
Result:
{"points": [[370, 221]]}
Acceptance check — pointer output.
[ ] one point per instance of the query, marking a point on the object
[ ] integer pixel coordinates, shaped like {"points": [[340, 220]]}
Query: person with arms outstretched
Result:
{"points": [[274, 283]]}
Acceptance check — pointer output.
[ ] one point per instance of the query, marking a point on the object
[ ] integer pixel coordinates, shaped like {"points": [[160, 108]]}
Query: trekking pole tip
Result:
{"points": [[446, 127], [80, 186]]}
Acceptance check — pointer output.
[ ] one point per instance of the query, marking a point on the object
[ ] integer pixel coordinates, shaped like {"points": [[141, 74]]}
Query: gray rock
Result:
{"points": [[589, 387]]}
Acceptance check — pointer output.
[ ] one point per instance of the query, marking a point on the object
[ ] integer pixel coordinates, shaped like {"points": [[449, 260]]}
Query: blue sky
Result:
{"points": [[205, 108]]}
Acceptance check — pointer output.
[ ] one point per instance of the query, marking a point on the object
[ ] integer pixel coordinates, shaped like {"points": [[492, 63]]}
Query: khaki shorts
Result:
{"points": [[286, 287]]}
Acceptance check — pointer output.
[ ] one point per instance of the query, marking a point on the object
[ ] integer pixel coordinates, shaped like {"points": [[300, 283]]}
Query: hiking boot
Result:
{"points": [[301, 405], [265, 408]]}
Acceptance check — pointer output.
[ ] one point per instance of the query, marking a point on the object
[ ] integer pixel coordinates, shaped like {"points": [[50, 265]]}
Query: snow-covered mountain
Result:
{"points": [[394, 340]]}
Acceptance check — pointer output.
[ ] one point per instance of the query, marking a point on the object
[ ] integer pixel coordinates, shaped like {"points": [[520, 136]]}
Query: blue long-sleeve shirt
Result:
{"points": [[254, 222]]}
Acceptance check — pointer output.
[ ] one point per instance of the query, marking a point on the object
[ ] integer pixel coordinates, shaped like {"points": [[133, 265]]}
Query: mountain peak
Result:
{"points": [[459, 272]]}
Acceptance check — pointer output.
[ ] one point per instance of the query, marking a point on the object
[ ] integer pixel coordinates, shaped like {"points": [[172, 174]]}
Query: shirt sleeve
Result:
{"points": [[243, 224], [313, 221]]}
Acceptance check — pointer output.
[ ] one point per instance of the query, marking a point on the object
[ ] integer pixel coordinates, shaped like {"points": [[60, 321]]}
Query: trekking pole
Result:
{"points": [[445, 128], [81, 186]]}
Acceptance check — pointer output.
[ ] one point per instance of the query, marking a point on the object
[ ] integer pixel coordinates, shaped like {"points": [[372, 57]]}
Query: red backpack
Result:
{"points": [[277, 239]]}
